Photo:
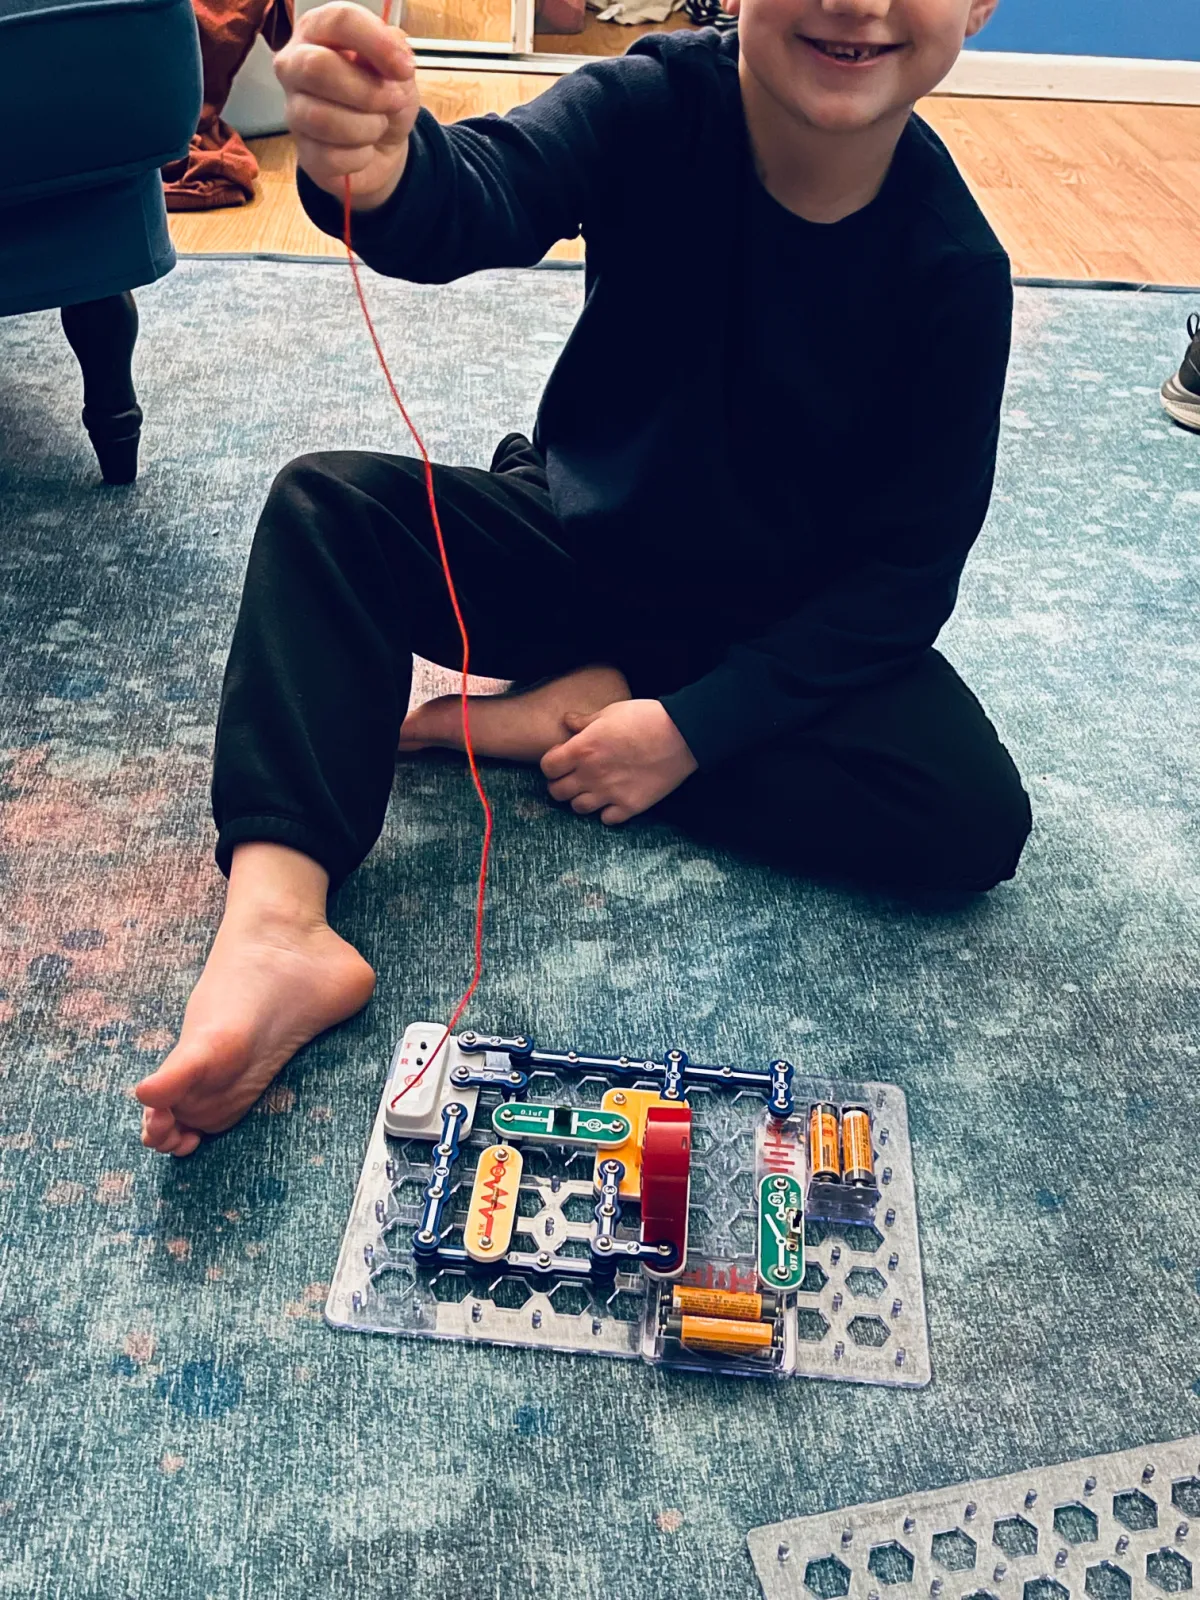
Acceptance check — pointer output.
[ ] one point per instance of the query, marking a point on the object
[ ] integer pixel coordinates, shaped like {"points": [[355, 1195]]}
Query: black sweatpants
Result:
{"points": [[904, 786]]}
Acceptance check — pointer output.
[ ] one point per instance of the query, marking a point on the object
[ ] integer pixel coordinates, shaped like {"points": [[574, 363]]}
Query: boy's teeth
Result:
{"points": [[848, 52]]}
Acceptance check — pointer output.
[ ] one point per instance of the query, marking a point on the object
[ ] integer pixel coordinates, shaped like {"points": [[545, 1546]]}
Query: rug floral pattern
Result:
{"points": [[175, 1418]]}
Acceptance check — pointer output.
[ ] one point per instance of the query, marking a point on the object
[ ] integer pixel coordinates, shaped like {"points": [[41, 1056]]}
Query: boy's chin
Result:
{"points": [[843, 113]]}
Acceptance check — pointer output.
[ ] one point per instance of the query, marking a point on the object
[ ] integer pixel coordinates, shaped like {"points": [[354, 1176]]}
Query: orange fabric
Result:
{"points": [[218, 170]]}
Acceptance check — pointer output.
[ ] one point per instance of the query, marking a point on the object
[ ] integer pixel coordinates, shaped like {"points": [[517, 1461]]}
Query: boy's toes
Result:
{"points": [[157, 1127], [186, 1067], [161, 1132]]}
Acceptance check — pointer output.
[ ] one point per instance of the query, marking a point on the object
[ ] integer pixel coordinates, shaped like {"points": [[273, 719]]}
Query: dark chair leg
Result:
{"points": [[102, 334]]}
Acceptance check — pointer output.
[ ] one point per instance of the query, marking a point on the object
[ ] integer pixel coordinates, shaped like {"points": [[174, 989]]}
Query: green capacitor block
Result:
{"points": [[780, 1232], [561, 1124]]}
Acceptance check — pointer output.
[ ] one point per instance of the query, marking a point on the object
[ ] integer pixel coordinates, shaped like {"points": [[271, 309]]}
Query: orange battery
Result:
{"points": [[721, 1334], [823, 1163], [858, 1158], [723, 1303]]}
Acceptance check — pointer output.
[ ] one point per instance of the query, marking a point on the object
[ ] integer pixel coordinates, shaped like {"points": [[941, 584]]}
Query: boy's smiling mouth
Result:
{"points": [[847, 51]]}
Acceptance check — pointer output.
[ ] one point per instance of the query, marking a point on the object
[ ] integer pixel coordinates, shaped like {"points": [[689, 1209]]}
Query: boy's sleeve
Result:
{"points": [[496, 191], [875, 621]]}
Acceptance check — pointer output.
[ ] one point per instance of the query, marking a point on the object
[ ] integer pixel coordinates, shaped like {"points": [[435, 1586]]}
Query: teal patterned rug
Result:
{"points": [[175, 1418]]}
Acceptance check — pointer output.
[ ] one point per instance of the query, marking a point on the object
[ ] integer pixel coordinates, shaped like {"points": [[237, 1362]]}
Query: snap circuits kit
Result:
{"points": [[739, 1219]]}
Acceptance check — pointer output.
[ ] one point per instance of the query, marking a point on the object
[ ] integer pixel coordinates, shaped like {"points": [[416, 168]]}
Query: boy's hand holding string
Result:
{"points": [[352, 99]]}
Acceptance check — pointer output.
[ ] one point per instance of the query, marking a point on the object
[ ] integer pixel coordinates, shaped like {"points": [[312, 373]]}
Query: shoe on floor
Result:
{"points": [[1181, 394]]}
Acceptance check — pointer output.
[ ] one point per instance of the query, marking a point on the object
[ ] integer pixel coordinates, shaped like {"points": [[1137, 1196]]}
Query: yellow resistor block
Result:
{"points": [[488, 1230], [634, 1104]]}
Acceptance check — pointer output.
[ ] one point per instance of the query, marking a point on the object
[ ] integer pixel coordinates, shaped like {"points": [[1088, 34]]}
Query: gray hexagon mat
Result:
{"points": [[1106, 1527]]}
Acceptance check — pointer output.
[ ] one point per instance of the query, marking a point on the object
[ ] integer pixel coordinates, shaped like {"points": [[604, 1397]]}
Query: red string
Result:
{"points": [[466, 646]]}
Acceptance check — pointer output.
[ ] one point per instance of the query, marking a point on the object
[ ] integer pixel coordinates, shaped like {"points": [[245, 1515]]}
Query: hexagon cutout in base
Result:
{"points": [[1077, 1524], [866, 1283], [954, 1550], [1045, 1589], [890, 1563], [1135, 1510], [1169, 1571], [1015, 1536], [872, 1331], [827, 1578], [811, 1326], [1108, 1582]]}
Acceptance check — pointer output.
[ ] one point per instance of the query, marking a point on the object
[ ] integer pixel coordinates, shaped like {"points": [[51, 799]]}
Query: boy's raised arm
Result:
{"points": [[434, 203]]}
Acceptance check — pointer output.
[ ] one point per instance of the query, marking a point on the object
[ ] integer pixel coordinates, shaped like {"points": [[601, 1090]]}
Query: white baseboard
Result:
{"points": [[1010, 75]]}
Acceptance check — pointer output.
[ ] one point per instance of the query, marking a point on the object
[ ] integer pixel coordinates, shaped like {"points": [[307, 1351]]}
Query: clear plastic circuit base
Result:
{"points": [[858, 1314]]}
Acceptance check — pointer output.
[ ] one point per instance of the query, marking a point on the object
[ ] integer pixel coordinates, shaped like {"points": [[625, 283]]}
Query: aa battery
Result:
{"points": [[721, 1335], [823, 1163], [858, 1157], [745, 1307]]}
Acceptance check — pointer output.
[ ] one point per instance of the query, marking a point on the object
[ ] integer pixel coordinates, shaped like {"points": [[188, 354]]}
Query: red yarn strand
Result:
{"points": [[485, 853]]}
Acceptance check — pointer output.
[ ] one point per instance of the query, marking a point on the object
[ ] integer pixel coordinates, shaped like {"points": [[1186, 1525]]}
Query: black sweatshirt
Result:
{"points": [[789, 428]]}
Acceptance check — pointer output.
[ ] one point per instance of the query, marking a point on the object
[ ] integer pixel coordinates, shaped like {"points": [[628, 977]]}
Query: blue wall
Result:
{"points": [[1168, 30]]}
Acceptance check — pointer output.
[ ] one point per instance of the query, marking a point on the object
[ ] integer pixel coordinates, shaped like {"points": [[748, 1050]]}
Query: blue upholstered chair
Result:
{"points": [[95, 95]]}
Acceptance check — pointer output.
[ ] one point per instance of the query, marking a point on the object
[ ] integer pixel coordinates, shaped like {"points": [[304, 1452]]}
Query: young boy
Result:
{"points": [[731, 543]]}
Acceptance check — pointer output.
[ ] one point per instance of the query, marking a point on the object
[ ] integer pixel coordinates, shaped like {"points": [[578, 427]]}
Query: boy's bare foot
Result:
{"points": [[276, 977], [515, 727]]}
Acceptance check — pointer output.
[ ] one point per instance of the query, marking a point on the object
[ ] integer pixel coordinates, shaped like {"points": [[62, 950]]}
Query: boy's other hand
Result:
{"points": [[352, 99], [620, 761]]}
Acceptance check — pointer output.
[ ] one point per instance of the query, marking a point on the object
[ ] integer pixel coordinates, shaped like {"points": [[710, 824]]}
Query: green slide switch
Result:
{"points": [[780, 1232]]}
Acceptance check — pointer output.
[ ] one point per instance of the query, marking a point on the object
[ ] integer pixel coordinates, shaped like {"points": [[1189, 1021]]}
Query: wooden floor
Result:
{"points": [[1074, 190]]}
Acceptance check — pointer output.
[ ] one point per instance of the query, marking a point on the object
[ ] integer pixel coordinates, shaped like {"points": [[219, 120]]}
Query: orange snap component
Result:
{"points": [[634, 1104]]}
